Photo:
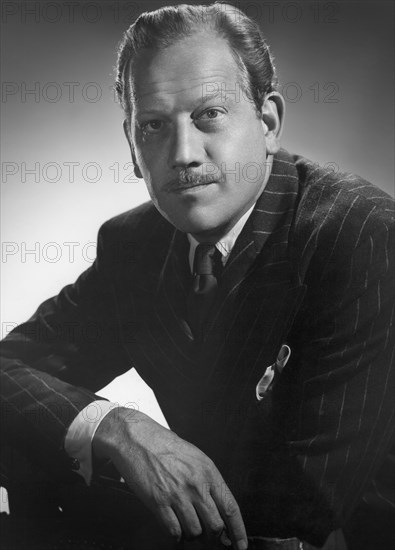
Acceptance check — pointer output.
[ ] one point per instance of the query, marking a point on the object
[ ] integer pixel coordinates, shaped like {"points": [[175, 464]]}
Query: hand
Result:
{"points": [[174, 479]]}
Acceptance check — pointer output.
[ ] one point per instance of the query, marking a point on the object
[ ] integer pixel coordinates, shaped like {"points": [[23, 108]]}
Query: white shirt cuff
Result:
{"points": [[78, 442]]}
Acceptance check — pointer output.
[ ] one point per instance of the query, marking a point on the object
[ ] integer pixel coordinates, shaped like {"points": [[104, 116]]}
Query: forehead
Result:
{"points": [[188, 70]]}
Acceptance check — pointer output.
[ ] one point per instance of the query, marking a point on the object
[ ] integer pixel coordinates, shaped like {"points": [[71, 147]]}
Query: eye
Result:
{"points": [[211, 114], [151, 126]]}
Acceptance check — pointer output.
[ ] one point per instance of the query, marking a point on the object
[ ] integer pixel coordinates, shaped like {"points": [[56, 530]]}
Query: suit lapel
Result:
{"points": [[174, 284], [269, 224]]}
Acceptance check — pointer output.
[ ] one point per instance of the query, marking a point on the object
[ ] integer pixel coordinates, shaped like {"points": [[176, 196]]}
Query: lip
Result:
{"points": [[191, 188]]}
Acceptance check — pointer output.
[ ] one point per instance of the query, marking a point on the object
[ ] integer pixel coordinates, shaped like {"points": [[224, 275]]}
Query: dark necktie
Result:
{"points": [[206, 268]]}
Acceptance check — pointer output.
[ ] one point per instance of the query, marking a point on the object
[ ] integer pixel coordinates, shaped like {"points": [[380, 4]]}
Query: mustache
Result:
{"points": [[189, 178]]}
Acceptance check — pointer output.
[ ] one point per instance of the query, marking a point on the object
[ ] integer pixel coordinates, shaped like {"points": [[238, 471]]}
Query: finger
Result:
{"points": [[167, 517], [210, 518], [230, 513], [189, 520]]}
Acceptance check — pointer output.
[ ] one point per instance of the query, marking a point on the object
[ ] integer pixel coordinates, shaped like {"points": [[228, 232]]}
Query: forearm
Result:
{"points": [[37, 409]]}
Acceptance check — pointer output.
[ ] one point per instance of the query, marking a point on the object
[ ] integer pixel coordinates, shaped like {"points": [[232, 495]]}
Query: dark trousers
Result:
{"points": [[68, 515]]}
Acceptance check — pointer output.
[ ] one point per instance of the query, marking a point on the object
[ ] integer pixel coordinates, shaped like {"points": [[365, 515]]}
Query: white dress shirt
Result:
{"points": [[78, 442]]}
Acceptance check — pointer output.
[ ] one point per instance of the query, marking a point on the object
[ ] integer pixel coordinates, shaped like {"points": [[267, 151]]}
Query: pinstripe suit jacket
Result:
{"points": [[313, 268]]}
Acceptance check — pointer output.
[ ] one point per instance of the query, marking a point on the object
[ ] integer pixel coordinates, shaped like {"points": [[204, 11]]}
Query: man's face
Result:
{"points": [[202, 153]]}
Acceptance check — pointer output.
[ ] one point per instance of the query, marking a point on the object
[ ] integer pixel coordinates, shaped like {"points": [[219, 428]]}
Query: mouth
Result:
{"points": [[192, 187]]}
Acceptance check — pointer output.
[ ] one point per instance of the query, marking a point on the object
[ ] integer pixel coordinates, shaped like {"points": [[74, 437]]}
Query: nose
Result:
{"points": [[187, 149]]}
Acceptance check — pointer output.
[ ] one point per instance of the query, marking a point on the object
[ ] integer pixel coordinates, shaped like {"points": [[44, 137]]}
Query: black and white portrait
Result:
{"points": [[197, 259]]}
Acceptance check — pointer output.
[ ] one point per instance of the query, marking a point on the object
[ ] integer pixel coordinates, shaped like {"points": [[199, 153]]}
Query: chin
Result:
{"points": [[195, 228], [204, 229], [194, 221]]}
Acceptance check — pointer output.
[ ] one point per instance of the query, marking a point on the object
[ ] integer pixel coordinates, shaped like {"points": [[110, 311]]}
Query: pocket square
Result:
{"points": [[276, 368]]}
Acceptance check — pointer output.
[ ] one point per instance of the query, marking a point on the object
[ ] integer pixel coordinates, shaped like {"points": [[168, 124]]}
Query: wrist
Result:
{"points": [[110, 434]]}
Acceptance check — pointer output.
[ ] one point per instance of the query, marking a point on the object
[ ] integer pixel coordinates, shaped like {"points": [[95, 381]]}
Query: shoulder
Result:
{"points": [[340, 219], [131, 220], [138, 225], [132, 235], [339, 207]]}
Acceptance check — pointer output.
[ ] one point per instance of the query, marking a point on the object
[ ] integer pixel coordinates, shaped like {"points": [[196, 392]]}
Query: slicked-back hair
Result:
{"points": [[165, 26]]}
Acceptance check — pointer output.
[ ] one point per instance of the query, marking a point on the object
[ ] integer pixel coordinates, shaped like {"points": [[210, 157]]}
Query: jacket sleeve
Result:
{"points": [[52, 364], [337, 412]]}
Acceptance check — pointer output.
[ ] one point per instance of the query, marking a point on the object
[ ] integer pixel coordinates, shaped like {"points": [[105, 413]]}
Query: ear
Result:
{"points": [[126, 129], [273, 112]]}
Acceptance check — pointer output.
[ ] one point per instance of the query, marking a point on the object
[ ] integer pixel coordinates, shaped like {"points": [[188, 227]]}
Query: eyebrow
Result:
{"points": [[221, 93], [226, 97]]}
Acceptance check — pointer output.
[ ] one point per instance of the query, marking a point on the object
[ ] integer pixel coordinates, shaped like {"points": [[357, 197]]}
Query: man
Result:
{"points": [[254, 296]]}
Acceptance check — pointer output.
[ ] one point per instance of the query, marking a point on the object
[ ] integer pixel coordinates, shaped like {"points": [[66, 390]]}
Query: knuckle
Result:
{"points": [[208, 465], [231, 509], [194, 532], [212, 469], [161, 496], [175, 533], [216, 528]]}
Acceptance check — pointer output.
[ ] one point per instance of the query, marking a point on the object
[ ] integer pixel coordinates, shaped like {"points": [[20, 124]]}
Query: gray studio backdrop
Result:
{"points": [[65, 162]]}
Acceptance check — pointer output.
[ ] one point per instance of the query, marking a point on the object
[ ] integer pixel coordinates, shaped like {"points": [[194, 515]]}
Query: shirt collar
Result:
{"points": [[227, 242]]}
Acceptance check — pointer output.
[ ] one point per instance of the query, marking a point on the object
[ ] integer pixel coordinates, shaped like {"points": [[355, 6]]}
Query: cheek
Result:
{"points": [[238, 150], [143, 159], [151, 161]]}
